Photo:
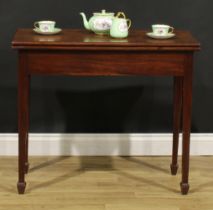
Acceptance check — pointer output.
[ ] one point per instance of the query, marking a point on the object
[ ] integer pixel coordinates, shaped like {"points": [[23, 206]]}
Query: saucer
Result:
{"points": [[154, 36], [56, 31]]}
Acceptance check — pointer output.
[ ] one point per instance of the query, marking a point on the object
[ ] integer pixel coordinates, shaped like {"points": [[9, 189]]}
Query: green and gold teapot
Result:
{"points": [[100, 22]]}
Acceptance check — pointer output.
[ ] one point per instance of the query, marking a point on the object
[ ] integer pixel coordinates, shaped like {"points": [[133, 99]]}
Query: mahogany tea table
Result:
{"points": [[80, 53]]}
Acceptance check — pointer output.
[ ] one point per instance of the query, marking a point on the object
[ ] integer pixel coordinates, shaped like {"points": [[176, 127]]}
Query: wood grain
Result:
{"points": [[106, 63], [76, 39], [105, 183]]}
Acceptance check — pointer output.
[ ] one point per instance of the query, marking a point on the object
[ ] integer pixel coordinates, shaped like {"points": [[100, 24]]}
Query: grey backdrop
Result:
{"points": [[139, 104]]}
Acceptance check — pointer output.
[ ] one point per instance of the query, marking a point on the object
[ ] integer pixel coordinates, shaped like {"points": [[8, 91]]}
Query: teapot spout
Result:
{"points": [[86, 23]]}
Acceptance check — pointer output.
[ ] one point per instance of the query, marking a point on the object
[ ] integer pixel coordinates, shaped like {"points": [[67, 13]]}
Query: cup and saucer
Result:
{"points": [[161, 32], [46, 27]]}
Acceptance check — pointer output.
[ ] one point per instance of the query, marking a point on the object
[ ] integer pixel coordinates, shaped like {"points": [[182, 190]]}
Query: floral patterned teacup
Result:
{"points": [[45, 26], [162, 30]]}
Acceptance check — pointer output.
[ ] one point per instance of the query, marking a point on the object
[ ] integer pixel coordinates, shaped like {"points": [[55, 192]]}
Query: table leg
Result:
{"points": [[187, 109], [26, 169], [23, 121], [177, 103]]}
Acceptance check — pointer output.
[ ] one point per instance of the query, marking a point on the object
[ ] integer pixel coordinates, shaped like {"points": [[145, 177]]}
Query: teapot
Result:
{"points": [[100, 22]]}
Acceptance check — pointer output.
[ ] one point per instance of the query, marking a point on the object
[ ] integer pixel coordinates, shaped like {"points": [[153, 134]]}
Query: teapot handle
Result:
{"points": [[129, 23], [121, 14], [36, 25]]}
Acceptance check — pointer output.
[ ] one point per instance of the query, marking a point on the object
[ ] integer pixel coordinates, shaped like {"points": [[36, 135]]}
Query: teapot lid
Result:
{"points": [[103, 13]]}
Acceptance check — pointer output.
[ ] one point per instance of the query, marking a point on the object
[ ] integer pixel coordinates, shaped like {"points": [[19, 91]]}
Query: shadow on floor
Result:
{"points": [[101, 164]]}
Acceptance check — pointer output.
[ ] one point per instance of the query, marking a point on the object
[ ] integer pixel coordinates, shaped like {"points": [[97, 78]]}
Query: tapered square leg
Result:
{"points": [[177, 103], [187, 109], [23, 121], [27, 124]]}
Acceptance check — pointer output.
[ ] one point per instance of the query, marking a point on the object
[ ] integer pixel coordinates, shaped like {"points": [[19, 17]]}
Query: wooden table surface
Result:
{"points": [[77, 39]]}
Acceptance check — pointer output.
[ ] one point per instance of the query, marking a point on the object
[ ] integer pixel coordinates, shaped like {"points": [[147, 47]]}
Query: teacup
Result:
{"points": [[45, 26], [162, 30]]}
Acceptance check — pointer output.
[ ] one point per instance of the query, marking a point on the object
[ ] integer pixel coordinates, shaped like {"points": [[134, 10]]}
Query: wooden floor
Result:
{"points": [[105, 183]]}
